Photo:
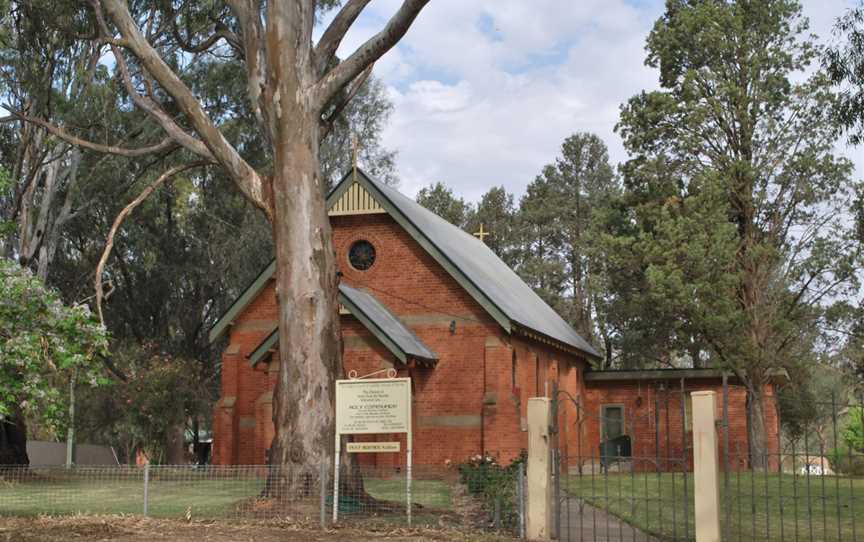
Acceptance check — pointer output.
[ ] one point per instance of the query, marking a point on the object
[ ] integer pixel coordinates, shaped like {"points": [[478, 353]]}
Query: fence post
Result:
{"points": [[539, 520], [520, 498], [706, 473], [146, 487], [323, 484]]}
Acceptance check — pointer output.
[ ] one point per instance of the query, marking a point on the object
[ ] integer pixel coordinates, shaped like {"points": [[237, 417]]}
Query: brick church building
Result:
{"points": [[434, 303]]}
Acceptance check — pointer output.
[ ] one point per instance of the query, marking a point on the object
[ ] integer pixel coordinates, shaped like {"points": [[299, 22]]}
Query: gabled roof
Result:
{"points": [[387, 328], [491, 282], [472, 263], [398, 338]]}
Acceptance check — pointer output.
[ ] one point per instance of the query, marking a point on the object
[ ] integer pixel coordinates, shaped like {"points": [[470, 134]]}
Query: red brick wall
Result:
{"points": [[653, 419], [466, 405]]}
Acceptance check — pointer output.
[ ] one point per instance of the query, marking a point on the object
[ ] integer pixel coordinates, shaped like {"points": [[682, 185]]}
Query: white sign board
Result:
{"points": [[367, 406], [381, 405]]}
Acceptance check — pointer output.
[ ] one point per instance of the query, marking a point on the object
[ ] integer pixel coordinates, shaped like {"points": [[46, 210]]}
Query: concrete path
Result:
{"points": [[581, 522]]}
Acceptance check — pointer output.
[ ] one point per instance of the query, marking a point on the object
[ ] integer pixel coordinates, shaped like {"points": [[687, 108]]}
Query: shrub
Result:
{"points": [[845, 462], [493, 483]]}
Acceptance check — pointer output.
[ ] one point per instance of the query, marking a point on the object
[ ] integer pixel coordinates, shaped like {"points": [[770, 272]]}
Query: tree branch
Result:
{"points": [[367, 53], [340, 105], [149, 106], [118, 221], [248, 17], [163, 145], [332, 37], [246, 178], [220, 33]]}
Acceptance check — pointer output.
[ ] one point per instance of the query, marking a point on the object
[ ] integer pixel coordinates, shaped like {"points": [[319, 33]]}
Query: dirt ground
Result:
{"points": [[129, 529]]}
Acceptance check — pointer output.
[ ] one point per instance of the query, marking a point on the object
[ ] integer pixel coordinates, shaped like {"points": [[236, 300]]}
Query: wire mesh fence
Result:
{"points": [[440, 497]]}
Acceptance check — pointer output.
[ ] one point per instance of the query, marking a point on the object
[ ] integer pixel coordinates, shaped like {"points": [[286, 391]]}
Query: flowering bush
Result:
{"points": [[43, 344], [487, 479]]}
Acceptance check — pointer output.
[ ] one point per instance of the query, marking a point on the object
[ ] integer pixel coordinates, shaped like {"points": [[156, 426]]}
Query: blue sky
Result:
{"points": [[485, 90]]}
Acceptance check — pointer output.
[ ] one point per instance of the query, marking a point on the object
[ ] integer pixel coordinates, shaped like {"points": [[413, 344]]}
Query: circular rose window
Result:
{"points": [[361, 255]]}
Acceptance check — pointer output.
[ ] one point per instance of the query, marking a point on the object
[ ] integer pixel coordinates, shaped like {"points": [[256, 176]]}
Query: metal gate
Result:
{"points": [[806, 485], [636, 484]]}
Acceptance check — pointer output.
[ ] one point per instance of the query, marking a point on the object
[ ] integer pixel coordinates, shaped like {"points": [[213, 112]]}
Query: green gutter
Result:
{"points": [[264, 348]]}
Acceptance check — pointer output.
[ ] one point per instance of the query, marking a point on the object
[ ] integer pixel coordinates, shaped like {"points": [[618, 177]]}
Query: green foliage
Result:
{"points": [[440, 199], [497, 213], [845, 461], [554, 227], [495, 484], [729, 241], [43, 344], [844, 62], [853, 435], [161, 394], [7, 227]]}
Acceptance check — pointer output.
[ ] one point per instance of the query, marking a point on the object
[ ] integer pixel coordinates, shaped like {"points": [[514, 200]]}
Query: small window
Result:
{"points": [[361, 255], [613, 421]]}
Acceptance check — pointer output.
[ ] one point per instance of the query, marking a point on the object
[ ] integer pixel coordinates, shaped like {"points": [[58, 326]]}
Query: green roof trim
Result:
{"points": [[266, 347], [224, 322], [383, 324], [374, 329]]}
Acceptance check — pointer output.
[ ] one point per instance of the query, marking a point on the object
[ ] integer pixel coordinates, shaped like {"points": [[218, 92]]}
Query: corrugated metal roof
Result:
{"points": [[362, 304], [377, 318], [488, 273], [488, 279]]}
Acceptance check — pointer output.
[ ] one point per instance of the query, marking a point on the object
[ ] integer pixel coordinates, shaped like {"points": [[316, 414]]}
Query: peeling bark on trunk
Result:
{"points": [[13, 441], [306, 285]]}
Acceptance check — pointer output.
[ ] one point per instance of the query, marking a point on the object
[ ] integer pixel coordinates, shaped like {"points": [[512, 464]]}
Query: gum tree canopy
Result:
{"points": [[295, 87], [43, 344]]}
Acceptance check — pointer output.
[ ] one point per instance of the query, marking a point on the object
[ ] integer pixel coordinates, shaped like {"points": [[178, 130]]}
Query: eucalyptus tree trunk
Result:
{"points": [[306, 285]]}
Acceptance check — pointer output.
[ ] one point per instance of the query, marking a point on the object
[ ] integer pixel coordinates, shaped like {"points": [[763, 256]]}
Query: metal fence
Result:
{"points": [[440, 496], [808, 487], [811, 489]]}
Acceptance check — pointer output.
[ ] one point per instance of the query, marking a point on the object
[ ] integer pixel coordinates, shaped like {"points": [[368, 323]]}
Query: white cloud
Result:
{"points": [[486, 90]]}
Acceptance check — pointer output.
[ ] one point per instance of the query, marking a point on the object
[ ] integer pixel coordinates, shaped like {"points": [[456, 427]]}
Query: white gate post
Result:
{"points": [[540, 505], [706, 472]]}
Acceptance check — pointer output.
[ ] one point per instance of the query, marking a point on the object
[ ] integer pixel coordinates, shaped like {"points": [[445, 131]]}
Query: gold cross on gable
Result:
{"points": [[482, 235]]}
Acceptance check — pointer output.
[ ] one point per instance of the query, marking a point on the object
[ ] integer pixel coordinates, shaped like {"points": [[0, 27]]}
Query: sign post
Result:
{"points": [[372, 406]]}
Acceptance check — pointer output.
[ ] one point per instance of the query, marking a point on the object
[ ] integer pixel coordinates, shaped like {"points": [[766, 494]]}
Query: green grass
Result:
{"points": [[428, 493], [202, 497], [782, 506]]}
